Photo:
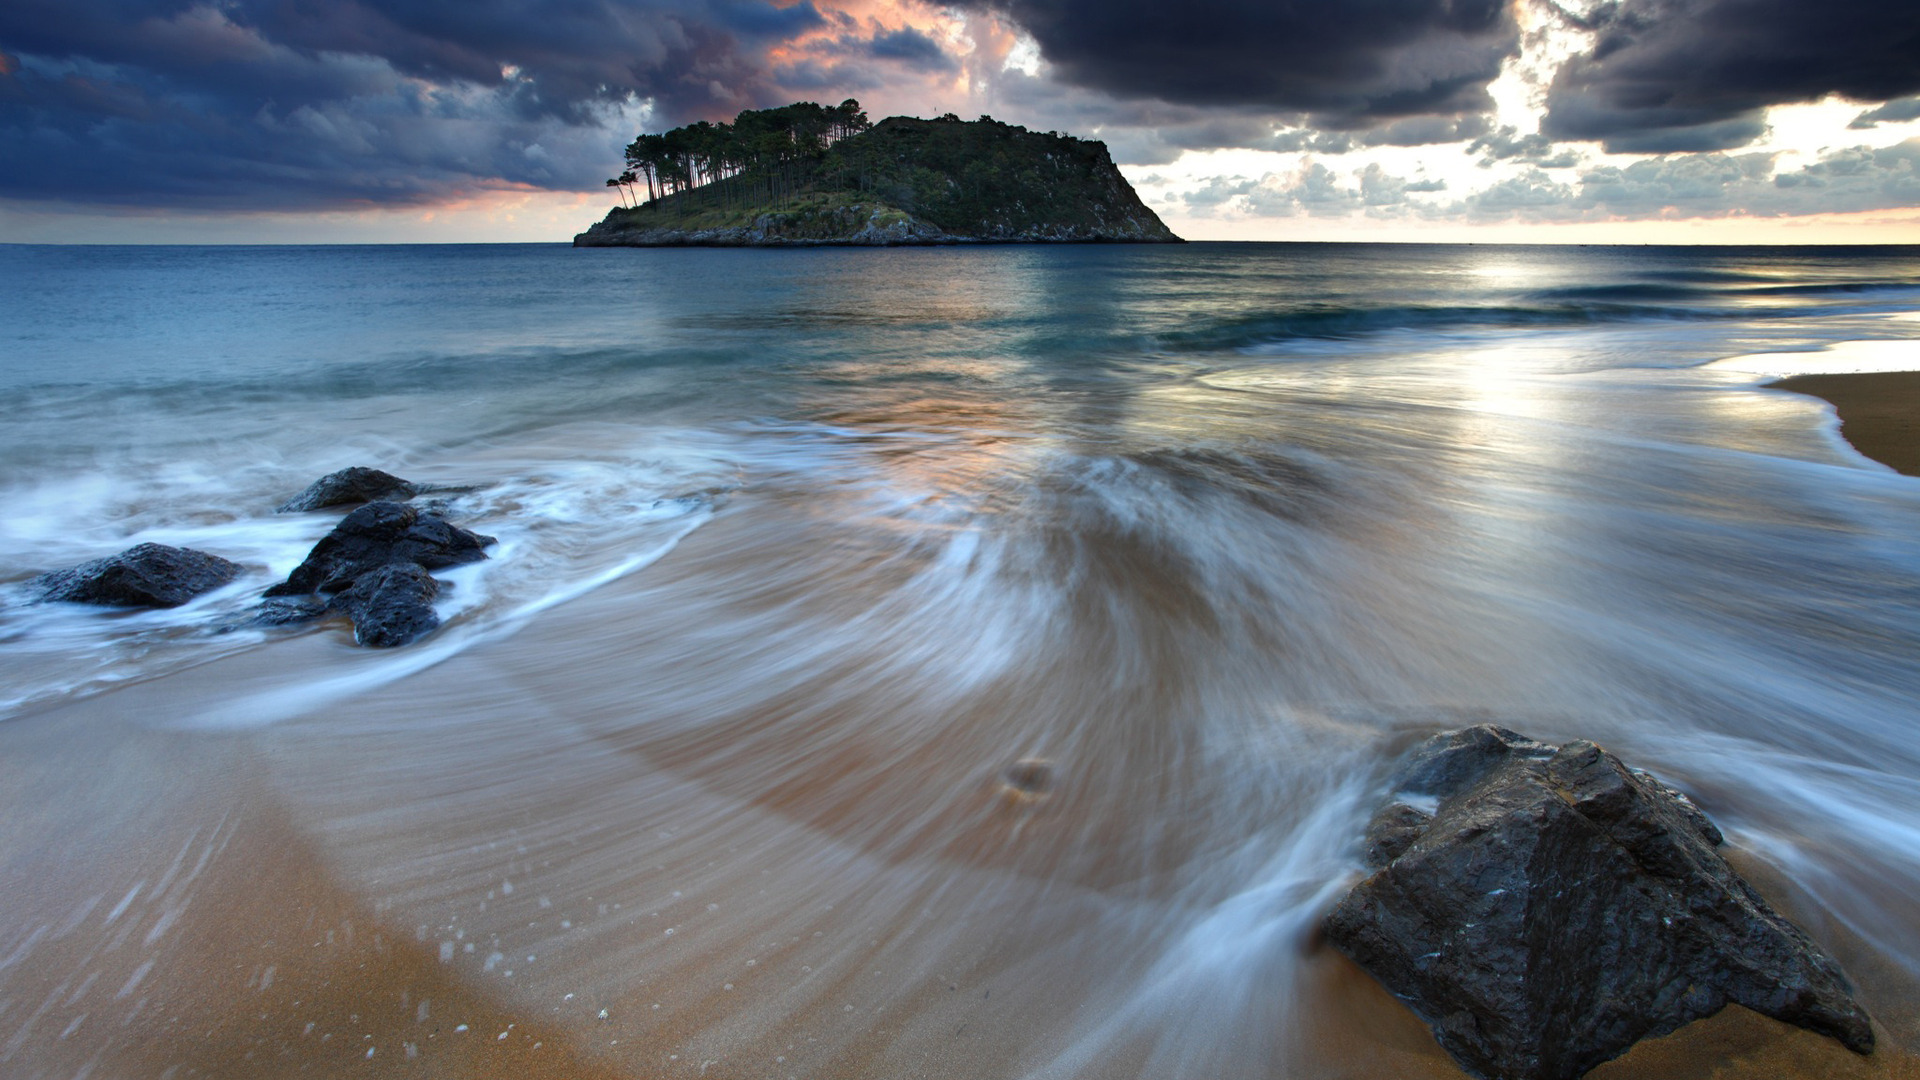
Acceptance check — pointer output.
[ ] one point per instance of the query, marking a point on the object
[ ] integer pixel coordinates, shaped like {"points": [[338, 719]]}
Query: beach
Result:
{"points": [[1879, 412], [715, 765]]}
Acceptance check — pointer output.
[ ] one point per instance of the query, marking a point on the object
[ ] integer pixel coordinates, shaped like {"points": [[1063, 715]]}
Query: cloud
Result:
{"points": [[1507, 144], [274, 104], [1667, 76], [1426, 131], [910, 47], [1891, 112], [1716, 185], [1674, 187], [1313, 189], [1351, 65]]}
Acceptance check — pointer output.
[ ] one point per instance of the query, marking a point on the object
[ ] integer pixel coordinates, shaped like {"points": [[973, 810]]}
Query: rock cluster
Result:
{"points": [[1543, 908], [372, 568]]}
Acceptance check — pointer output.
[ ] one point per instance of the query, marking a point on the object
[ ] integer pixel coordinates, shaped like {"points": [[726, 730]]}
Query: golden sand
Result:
{"points": [[1879, 412]]}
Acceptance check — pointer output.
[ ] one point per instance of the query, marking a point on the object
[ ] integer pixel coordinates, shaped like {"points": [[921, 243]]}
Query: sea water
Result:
{"points": [[799, 550]]}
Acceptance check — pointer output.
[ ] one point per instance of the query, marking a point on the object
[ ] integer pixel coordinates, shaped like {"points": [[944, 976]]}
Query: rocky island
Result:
{"points": [[806, 175]]}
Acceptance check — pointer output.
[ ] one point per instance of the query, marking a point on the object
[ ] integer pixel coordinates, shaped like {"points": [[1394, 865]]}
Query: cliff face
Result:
{"points": [[910, 182]]}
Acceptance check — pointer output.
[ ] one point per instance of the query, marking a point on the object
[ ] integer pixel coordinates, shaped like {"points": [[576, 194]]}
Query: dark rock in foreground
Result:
{"points": [[357, 484], [1556, 907], [149, 575], [390, 606], [373, 536], [373, 568]]}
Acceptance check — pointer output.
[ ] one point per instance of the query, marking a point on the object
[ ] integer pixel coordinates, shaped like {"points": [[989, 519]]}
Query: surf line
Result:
{"points": [[274, 706]]}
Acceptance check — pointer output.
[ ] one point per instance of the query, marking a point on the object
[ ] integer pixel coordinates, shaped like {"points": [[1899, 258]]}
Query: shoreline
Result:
{"points": [[1879, 412], [305, 894]]}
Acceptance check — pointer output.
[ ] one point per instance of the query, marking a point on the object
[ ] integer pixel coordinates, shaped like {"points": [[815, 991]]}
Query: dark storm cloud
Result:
{"points": [[1426, 131], [287, 103], [1351, 64], [1668, 76], [845, 63], [910, 47]]}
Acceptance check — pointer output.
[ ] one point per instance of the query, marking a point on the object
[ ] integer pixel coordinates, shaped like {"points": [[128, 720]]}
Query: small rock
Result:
{"points": [[390, 606], [357, 484], [1027, 781], [1557, 907], [1031, 775], [148, 575], [373, 536]]}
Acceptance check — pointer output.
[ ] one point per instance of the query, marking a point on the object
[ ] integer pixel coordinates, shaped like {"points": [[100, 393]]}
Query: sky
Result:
{"points": [[1588, 121]]}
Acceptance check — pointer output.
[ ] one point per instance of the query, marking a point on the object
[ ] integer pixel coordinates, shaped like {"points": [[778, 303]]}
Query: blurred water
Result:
{"points": [[801, 549]]}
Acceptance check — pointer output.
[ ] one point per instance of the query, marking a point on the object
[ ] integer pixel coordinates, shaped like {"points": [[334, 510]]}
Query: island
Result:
{"points": [[810, 175]]}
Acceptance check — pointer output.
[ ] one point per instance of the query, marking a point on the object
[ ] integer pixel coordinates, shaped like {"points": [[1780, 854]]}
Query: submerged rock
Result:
{"points": [[1555, 907], [373, 536], [357, 484], [148, 575], [390, 606]]}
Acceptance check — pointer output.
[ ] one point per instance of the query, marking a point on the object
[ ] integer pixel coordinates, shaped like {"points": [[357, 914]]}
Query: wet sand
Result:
{"points": [[1879, 412], [341, 892]]}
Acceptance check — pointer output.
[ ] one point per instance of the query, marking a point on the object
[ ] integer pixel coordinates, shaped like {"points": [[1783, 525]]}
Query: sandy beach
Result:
{"points": [[1879, 412]]}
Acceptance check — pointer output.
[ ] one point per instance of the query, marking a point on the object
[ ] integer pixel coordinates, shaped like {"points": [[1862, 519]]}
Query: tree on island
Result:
{"points": [[763, 156]]}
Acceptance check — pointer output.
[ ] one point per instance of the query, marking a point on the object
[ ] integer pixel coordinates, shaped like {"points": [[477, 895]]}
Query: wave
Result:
{"points": [[1335, 322], [1571, 307]]}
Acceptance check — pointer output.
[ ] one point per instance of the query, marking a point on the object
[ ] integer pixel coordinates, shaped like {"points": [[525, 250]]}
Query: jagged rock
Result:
{"points": [[147, 575], [1556, 907], [391, 605], [357, 484], [1392, 831], [373, 536]]}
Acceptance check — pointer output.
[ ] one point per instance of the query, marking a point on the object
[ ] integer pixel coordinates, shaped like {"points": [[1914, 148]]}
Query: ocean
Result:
{"points": [[800, 550]]}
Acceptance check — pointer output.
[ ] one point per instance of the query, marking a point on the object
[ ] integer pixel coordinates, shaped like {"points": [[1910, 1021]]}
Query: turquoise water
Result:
{"points": [[836, 535]]}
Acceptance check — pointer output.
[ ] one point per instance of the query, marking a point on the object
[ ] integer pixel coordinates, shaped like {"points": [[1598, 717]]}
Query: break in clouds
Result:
{"points": [[278, 104]]}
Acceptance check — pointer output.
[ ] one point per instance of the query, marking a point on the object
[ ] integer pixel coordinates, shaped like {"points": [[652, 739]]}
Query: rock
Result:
{"points": [[357, 484], [1031, 775], [148, 575], [1556, 907], [373, 536], [1392, 831], [391, 605], [285, 611]]}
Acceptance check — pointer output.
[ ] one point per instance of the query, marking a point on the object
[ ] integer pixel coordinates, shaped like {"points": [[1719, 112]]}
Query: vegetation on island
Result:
{"points": [[761, 157], [810, 173]]}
